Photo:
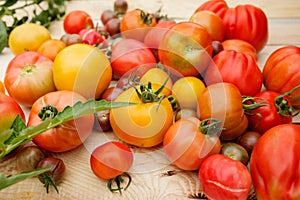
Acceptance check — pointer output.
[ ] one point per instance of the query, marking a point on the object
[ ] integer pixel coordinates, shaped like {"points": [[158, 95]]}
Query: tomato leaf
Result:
{"points": [[17, 126], [22, 135], [3, 36], [6, 181]]}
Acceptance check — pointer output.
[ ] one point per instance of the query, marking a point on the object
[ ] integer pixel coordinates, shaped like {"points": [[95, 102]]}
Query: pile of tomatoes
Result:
{"points": [[198, 90]]}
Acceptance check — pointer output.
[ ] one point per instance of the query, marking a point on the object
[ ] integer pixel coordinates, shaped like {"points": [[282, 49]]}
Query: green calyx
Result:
{"points": [[48, 111], [211, 126], [118, 180]]}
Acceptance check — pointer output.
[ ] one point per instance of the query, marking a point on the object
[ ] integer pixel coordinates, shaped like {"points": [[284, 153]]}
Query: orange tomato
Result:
{"points": [[51, 48], [2, 88]]}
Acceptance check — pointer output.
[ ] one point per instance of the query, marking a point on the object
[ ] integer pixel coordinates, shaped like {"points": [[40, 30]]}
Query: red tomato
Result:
{"points": [[91, 36], [212, 22], [223, 101], [136, 23], [111, 160], [240, 46], [217, 6], [237, 68], [68, 135], [274, 163], [276, 110], [248, 23], [77, 20], [222, 177], [187, 145], [128, 54], [187, 48], [281, 72], [2, 87], [9, 109], [29, 76]]}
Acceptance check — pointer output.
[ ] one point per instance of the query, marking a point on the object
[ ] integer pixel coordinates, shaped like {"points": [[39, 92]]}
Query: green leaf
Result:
{"points": [[9, 3], [17, 126], [79, 109], [6, 181], [3, 36]]}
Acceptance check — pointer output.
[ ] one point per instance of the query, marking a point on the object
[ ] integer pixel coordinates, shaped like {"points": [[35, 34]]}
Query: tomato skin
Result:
{"points": [[236, 68], [2, 87], [136, 23], [217, 6], [269, 116], [186, 146], [240, 46], [91, 36], [129, 54], [223, 101], [110, 160], [224, 178], [77, 20], [9, 109], [51, 48], [29, 76], [281, 72], [248, 23], [64, 137], [144, 124], [276, 178], [187, 48]]}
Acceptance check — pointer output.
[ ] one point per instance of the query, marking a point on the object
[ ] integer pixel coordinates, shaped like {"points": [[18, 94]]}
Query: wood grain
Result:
{"points": [[149, 172]]}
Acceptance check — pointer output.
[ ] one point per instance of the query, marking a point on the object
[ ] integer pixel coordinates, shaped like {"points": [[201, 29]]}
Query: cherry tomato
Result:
{"points": [[129, 54], [120, 7], [186, 144], [111, 93], [240, 46], [29, 76], [224, 178], [82, 68], [223, 101], [113, 26], [77, 20], [66, 136], [245, 71], [9, 109], [281, 72], [217, 48], [187, 90], [185, 113], [274, 163], [248, 140], [51, 48], [145, 123], [28, 158], [235, 151], [212, 22], [110, 160], [187, 48], [27, 37], [102, 120], [136, 23], [106, 15], [91, 36], [70, 39]]}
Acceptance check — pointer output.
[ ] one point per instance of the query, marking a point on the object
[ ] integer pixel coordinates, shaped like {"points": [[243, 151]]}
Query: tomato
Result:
{"points": [[27, 37], [129, 54], [248, 23], [236, 68], [113, 26], [217, 6], [64, 137], [187, 143], [77, 20], [281, 72], [224, 178], [106, 15], [212, 22], [185, 113], [223, 101], [240, 46], [91, 36], [235, 151], [28, 158], [29, 76], [9, 109], [187, 90], [145, 123], [158, 77], [120, 7], [111, 159], [274, 163], [187, 48], [136, 23], [2, 87], [276, 110], [51, 48], [82, 68], [70, 39], [248, 140]]}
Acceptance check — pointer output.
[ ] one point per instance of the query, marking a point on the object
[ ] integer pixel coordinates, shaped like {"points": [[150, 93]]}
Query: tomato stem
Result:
{"points": [[282, 105], [210, 126], [118, 180], [48, 111], [146, 17], [48, 181], [249, 103]]}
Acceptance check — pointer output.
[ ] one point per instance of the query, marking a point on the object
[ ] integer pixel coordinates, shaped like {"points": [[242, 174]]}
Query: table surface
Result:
{"points": [[150, 165]]}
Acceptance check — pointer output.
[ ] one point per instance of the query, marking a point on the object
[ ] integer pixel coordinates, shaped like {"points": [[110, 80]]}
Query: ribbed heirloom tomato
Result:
{"points": [[66, 136]]}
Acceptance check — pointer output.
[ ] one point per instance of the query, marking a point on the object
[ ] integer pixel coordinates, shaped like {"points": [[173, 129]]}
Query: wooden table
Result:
{"points": [[150, 166]]}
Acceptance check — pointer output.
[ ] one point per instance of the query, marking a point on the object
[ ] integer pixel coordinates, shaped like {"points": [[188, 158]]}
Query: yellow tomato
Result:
{"points": [[27, 37], [50, 48], [143, 124], [82, 68], [157, 77], [187, 90]]}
